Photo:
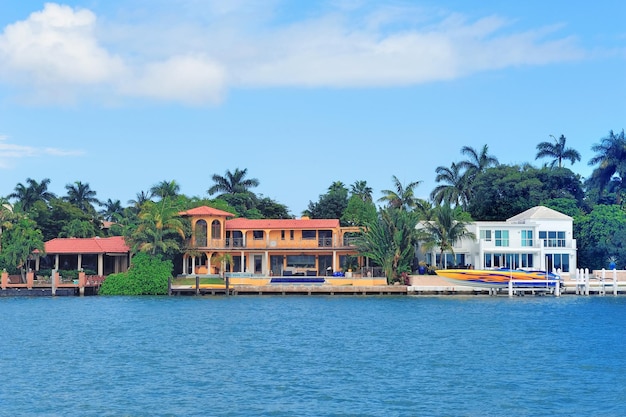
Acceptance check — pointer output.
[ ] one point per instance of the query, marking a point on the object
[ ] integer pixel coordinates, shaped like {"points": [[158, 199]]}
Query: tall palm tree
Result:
{"points": [[165, 189], [443, 231], [362, 190], [34, 191], [337, 186], [611, 160], [478, 162], [454, 189], [159, 223], [232, 182], [112, 208], [140, 198], [389, 241], [402, 197], [7, 216], [557, 151], [82, 196]]}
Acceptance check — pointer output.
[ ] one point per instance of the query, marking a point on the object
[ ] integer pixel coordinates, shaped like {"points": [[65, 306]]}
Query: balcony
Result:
{"points": [[263, 244]]}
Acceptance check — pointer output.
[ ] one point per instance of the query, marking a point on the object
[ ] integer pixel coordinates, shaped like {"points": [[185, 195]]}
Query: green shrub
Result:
{"points": [[147, 276], [68, 273]]}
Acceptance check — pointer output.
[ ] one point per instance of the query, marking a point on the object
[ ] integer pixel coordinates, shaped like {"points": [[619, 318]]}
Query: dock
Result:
{"points": [[12, 285], [579, 283]]}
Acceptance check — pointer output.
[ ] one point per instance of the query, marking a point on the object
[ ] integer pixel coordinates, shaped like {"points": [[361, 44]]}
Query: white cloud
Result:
{"points": [[188, 79], [61, 52], [10, 153], [57, 45]]}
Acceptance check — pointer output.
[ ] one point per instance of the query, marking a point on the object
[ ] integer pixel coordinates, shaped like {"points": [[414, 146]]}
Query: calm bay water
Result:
{"points": [[312, 356]]}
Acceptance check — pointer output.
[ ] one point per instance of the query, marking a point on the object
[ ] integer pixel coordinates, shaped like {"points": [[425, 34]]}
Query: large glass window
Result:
{"points": [[527, 260], [527, 237], [257, 234], [301, 261], [502, 237], [558, 261], [309, 234], [485, 235], [552, 239]]}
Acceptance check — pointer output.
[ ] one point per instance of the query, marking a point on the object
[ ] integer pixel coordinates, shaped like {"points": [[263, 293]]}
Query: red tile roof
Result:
{"points": [[206, 211], [285, 224], [115, 244]]}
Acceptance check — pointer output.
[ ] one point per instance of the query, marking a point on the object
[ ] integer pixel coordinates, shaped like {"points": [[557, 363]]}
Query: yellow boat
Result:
{"points": [[493, 278]]}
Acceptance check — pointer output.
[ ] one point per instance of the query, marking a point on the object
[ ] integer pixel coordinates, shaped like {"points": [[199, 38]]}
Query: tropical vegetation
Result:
{"points": [[476, 187]]}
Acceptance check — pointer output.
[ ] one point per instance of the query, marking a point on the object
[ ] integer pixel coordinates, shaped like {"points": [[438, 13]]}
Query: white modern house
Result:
{"points": [[539, 238]]}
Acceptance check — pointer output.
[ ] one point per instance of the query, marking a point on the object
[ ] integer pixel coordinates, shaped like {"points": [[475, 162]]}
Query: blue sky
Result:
{"points": [[125, 94]]}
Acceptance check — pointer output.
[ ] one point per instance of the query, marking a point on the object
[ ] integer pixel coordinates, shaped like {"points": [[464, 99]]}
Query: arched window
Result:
{"points": [[216, 230], [201, 233]]}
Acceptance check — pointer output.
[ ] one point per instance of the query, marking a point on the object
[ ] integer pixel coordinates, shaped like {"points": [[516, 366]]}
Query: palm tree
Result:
{"points": [[112, 209], [389, 241], [7, 217], [140, 198], [361, 189], [158, 224], [611, 160], [478, 162], [403, 197], [165, 189], [454, 190], [443, 231], [82, 196], [34, 191], [232, 182], [557, 151]]}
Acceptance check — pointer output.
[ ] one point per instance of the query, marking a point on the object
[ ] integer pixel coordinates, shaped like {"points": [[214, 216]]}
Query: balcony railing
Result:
{"points": [[235, 242], [241, 243]]}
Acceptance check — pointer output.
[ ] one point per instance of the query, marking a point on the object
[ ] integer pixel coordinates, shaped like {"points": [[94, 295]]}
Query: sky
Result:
{"points": [[125, 94]]}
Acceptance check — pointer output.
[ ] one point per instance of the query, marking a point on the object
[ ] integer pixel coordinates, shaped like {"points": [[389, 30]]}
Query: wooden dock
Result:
{"points": [[11, 286], [286, 289]]}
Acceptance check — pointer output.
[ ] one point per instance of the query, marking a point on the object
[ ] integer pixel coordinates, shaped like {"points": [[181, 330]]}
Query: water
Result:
{"points": [[313, 356]]}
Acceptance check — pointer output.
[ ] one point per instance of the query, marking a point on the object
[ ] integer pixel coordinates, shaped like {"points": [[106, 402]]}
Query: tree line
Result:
{"points": [[475, 188]]}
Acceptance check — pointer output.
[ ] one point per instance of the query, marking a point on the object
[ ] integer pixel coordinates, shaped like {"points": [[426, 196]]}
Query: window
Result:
{"points": [[309, 234], [257, 234], [558, 261], [201, 233], [301, 261], [527, 237], [485, 235], [502, 237], [291, 235], [552, 239], [527, 260], [282, 235], [216, 230]]}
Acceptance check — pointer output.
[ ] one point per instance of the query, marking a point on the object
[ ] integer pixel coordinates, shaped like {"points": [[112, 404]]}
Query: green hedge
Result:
{"points": [[147, 276]]}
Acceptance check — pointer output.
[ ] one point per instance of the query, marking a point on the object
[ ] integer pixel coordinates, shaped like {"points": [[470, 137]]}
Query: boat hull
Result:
{"points": [[494, 278]]}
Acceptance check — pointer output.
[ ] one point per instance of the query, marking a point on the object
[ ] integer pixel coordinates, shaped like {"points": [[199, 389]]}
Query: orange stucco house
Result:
{"points": [[104, 255], [266, 247]]}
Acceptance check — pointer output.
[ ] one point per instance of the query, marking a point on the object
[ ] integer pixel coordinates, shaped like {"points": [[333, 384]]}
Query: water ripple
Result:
{"points": [[311, 356]]}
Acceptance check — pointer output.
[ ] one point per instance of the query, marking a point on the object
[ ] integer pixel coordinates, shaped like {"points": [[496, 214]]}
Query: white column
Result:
{"points": [[80, 261], [193, 264], [242, 260], [100, 264]]}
